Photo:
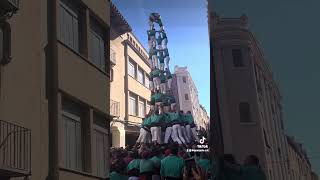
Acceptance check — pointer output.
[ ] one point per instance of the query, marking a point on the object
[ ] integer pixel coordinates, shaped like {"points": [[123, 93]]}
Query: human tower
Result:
{"points": [[164, 123]]}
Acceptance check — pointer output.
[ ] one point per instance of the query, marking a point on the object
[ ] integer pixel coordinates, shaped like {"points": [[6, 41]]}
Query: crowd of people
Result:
{"points": [[172, 162], [157, 162]]}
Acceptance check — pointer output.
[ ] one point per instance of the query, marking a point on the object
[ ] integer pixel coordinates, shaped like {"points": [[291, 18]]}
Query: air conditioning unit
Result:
{"points": [[8, 7]]}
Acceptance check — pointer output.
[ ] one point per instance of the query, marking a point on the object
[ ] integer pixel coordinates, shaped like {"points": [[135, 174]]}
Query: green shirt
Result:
{"points": [[172, 166], [159, 40], [163, 35], [146, 121], [116, 176], [156, 118], [152, 52], [189, 119], [156, 73], [156, 161], [252, 173], [171, 99], [151, 33], [204, 164], [173, 116], [146, 165], [134, 164], [158, 97], [163, 78]]}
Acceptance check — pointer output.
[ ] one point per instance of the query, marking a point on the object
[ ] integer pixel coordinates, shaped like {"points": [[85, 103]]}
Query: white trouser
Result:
{"points": [[167, 135], [184, 133], [177, 130], [163, 88], [152, 42], [143, 137], [167, 60], [194, 133], [152, 107], [160, 47], [156, 134], [155, 61], [164, 43], [151, 85], [162, 66], [188, 129], [156, 82], [174, 136], [169, 83]]}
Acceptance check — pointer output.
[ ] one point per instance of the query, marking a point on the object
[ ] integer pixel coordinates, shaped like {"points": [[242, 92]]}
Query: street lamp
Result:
{"points": [[8, 8]]}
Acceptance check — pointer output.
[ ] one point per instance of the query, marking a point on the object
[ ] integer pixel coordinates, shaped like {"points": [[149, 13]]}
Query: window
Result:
{"points": [[147, 108], [69, 24], [142, 111], [72, 118], [237, 58], [186, 97], [244, 109], [101, 135], [184, 79], [133, 104], [131, 69], [5, 43], [97, 45], [140, 76], [111, 75], [146, 81]]}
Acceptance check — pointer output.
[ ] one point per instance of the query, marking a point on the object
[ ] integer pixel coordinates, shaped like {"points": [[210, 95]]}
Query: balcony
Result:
{"points": [[115, 108], [15, 150], [113, 59], [8, 6]]}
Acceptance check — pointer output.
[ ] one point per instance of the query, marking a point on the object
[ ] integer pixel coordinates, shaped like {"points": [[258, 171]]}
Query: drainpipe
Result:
{"points": [[52, 88]]}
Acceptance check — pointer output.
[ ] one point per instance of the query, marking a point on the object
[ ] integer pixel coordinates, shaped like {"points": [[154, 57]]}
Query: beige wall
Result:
{"points": [[119, 93]]}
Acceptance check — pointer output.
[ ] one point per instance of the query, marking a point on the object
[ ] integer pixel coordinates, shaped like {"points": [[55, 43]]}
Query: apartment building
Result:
{"points": [[186, 94], [130, 94], [54, 90], [249, 99], [300, 167]]}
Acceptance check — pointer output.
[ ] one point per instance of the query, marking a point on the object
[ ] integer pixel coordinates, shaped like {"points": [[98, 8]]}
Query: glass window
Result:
{"points": [[97, 45], [146, 81], [133, 104], [186, 97], [184, 79], [141, 108], [101, 135], [140, 76], [131, 69], [69, 25], [147, 108], [73, 137], [237, 58], [244, 109]]}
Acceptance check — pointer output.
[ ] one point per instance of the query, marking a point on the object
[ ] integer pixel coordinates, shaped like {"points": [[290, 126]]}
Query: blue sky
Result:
{"points": [[187, 30]]}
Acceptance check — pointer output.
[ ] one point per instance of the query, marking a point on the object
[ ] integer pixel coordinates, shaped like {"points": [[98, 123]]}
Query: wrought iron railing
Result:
{"points": [[15, 149], [114, 108]]}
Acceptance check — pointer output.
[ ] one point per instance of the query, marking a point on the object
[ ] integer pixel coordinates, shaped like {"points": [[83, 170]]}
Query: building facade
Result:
{"points": [[186, 95], [248, 97], [54, 91], [130, 94], [300, 167]]}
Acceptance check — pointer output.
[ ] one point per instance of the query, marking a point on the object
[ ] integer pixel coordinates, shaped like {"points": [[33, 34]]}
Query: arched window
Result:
{"points": [[245, 115]]}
